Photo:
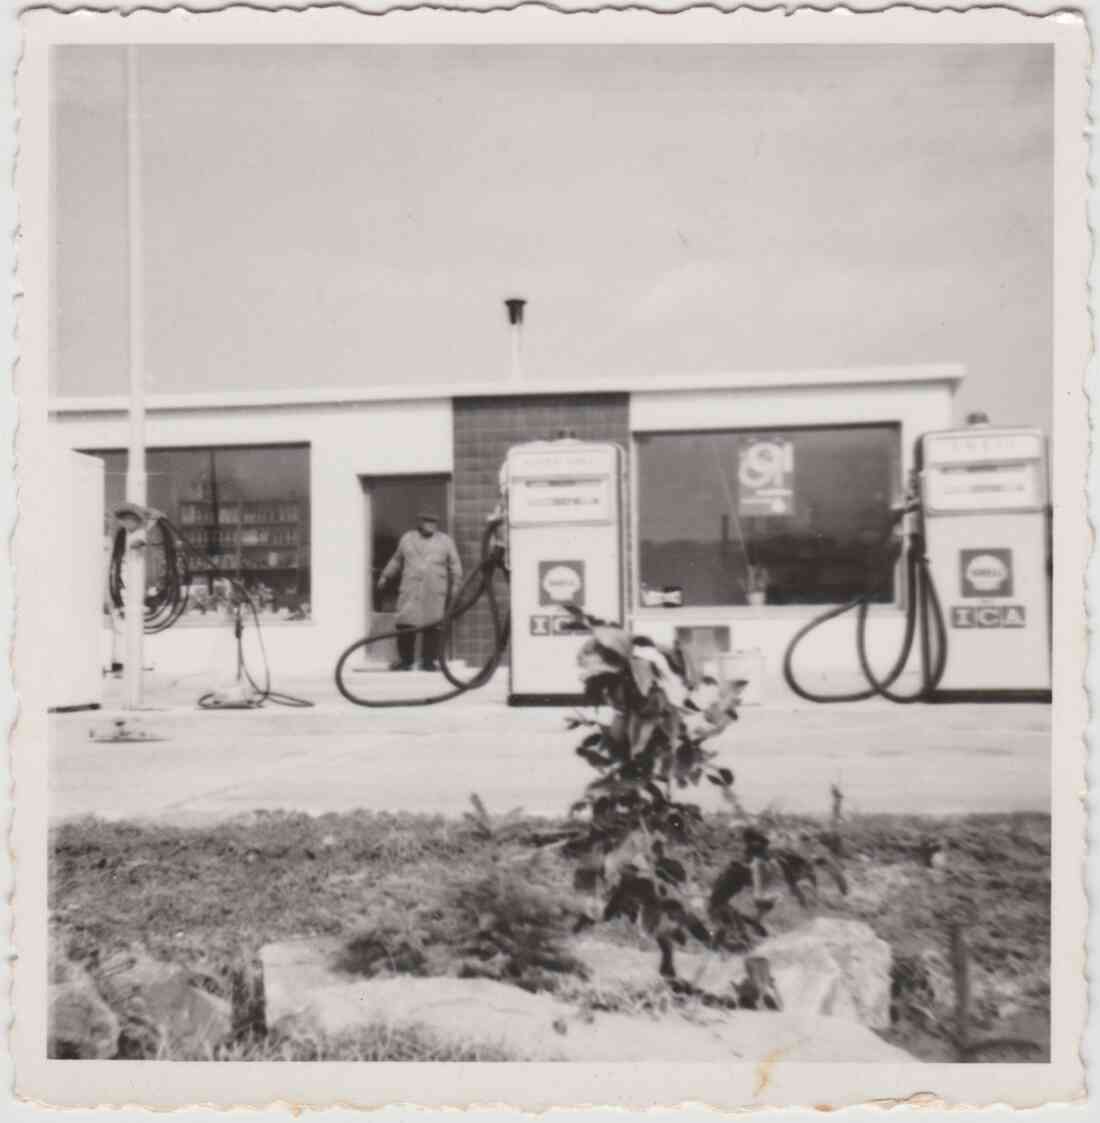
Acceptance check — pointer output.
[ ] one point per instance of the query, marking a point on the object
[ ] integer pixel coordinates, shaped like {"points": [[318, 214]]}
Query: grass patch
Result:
{"points": [[376, 1042], [413, 894]]}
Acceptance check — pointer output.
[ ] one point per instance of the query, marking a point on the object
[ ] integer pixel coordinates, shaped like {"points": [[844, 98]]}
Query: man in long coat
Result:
{"points": [[430, 570]]}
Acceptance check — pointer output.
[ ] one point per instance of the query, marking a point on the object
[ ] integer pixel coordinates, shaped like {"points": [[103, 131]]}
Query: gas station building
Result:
{"points": [[750, 501]]}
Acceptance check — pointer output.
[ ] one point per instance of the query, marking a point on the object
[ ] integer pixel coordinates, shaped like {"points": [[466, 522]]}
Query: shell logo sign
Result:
{"points": [[983, 575], [986, 573], [561, 582]]}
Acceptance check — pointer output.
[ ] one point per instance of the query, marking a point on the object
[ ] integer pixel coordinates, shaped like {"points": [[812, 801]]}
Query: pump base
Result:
{"points": [[239, 696], [546, 700]]}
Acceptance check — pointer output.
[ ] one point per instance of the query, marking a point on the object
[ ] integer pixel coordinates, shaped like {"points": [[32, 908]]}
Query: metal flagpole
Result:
{"points": [[136, 487]]}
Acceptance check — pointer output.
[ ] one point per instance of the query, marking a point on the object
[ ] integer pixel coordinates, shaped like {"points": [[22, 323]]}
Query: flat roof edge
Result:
{"points": [[665, 384]]}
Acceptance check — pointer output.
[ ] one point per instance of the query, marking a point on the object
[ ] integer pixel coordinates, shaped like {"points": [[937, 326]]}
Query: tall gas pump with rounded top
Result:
{"points": [[985, 503], [565, 546]]}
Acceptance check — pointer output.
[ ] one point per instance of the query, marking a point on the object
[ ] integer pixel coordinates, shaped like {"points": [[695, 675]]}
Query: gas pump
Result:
{"points": [[565, 547], [974, 549], [984, 497]]}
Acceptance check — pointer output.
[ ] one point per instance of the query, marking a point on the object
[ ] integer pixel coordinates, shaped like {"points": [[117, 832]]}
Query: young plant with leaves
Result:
{"points": [[647, 742]]}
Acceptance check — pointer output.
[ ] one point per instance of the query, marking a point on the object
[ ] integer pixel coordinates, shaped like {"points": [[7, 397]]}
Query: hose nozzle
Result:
{"points": [[135, 517]]}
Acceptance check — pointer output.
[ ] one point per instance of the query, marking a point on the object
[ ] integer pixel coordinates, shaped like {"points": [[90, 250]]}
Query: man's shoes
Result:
{"points": [[397, 665], [433, 666]]}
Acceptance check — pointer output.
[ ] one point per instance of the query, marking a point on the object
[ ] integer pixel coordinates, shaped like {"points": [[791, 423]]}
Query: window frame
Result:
{"points": [[685, 615], [191, 620]]}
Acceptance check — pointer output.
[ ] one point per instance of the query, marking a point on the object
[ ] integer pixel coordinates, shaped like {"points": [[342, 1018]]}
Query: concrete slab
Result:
{"points": [[336, 757], [300, 982]]}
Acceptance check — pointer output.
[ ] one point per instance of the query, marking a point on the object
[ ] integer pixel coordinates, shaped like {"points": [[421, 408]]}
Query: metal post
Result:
{"points": [[515, 307], [135, 466]]}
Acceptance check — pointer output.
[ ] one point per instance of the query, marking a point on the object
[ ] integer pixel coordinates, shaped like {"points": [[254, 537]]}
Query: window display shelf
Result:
{"points": [[239, 513], [247, 539]]}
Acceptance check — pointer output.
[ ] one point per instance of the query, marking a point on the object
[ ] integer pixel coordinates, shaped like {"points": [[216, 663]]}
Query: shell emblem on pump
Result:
{"points": [[561, 583], [986, 573]]}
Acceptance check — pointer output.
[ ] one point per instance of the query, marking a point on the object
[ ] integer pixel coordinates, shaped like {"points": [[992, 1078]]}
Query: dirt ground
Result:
{"points": [[427, 895]]}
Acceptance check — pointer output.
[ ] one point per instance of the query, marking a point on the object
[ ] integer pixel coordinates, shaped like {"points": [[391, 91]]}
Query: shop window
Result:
{"points": [[245, 512], [777, 516]]}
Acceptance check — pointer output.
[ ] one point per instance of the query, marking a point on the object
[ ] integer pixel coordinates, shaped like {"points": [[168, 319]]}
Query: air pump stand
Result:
{"points": [[241, 695]]}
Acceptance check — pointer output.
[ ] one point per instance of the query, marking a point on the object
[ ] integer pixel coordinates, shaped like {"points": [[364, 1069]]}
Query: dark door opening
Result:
{"points": [[392, 504]]}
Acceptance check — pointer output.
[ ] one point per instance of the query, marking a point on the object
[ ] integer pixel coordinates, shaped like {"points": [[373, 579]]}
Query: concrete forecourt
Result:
{"points": [[208, 766]]}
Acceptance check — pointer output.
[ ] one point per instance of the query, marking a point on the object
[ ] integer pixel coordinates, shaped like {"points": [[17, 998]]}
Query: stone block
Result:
{"points": [[302, 982], [833, 967], [164, 1002], [81, 1026]]}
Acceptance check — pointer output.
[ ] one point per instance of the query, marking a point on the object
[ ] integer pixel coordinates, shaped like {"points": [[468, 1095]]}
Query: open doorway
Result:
{"points": [[391, 506]]}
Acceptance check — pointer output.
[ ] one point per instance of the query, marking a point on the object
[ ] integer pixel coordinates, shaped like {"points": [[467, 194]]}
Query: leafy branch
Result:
{"points": [[648, 742]]}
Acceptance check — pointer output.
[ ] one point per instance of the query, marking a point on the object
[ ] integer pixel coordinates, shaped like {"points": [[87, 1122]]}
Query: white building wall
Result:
{"points": [[73, 605], [346, 441]]}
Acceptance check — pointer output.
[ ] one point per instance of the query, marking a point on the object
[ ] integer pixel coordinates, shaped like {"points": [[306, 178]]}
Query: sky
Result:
{"points": [[345, 216]]}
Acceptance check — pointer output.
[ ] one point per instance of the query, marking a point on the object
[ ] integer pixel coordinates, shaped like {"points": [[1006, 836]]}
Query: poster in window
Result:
{"points": [[765, 475]]}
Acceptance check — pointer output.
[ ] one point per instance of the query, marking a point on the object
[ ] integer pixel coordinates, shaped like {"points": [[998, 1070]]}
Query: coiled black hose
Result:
{"points": [[480, 582], [923, 619], [168, 600]]}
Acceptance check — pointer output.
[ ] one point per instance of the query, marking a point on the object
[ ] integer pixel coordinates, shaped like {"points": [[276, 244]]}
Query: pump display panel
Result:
{"points": [[546, 487], [967, 471]]}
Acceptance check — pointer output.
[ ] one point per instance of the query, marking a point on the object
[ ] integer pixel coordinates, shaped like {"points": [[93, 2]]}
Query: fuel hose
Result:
{"points": [[262, 689], [924, 624], [168, 599], [481, 582]]}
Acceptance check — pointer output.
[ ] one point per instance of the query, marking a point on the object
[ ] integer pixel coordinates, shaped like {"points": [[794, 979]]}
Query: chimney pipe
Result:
{"points": [[515, 306]]}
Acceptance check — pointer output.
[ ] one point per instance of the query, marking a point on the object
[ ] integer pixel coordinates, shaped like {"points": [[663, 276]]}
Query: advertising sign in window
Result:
{"points": [[765, 472]]}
